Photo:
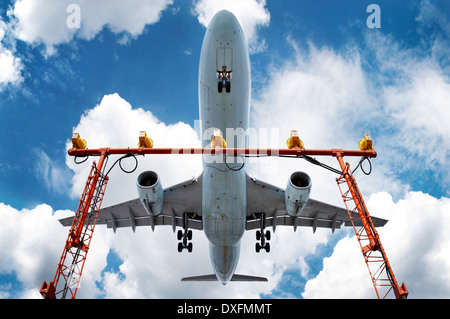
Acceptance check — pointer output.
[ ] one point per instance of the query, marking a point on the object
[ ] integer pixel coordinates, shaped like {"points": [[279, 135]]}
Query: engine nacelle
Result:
{"points": [[297, 193], [150, 192]]}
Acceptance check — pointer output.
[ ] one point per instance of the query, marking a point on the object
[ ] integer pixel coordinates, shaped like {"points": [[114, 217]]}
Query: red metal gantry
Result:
{"points": [[79, 239], [80, 235], [375, 257]]}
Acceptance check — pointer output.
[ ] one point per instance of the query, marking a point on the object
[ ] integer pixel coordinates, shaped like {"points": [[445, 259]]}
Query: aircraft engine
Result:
{"points": [[150, 192], [297, 193]]}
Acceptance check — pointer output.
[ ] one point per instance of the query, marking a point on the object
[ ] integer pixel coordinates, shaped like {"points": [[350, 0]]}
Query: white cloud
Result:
{"points": [[45, 21], [52, 174], [11, 68], [434, 26], [416, 243], [412, 94], [251, 14], [319, 93], [10, 65], [318, 87], [421, 105], [32, 241], [114, 123]]}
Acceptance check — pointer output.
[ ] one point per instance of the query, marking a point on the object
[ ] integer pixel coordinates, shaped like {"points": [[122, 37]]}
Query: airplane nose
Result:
{"points": [[224, 20]]}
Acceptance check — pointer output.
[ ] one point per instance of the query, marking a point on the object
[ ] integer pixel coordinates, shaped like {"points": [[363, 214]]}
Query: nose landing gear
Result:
{"points": [[224, 77]]}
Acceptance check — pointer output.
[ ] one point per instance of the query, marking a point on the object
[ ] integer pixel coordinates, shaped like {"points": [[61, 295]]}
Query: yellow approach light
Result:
{"points": [[144, 140], [217, 140], [294, 141], [366, 143], [77, 142]]}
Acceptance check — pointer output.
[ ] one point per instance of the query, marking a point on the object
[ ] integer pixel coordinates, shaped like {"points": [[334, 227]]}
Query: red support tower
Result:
{"points": [[79, 239], [369, 240]]}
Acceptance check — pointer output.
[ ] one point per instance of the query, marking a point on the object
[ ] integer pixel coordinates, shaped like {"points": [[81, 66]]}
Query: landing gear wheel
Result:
{"points": [[262, 235], [228, 87], [185, 234], [220, 87]]}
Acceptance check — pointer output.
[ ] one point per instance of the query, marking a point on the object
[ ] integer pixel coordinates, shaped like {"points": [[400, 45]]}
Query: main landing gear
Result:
{"points": [[185, 235], [262, 235]]}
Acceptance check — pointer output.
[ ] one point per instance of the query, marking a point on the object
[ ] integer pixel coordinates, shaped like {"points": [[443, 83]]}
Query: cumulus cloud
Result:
{"points": [[319, 93], [46, 21], [417, 251], [11, 68], [38, 240], [251, 14], [403, 105], [10, 65], [52, 174], [412, 94], [115, 123]]}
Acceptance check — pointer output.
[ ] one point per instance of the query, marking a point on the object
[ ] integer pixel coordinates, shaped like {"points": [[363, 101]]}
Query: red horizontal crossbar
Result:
{"points": [[225, 151]]}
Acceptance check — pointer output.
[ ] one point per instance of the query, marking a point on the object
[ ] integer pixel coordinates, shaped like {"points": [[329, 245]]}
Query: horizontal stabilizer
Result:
{"points": [[213, 277]]}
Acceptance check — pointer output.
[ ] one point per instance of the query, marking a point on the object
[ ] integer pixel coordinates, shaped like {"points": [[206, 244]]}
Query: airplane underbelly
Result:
{"points": [[224, 99], [224, 207]]}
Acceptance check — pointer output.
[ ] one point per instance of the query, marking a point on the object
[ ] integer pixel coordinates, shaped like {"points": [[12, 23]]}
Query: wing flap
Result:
{"points": [[286, 220], [263, 198], [236, 277], [181, 204]]}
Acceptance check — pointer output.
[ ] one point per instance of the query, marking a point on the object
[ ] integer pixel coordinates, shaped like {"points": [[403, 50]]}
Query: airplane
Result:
{"points": [[224, 201]]}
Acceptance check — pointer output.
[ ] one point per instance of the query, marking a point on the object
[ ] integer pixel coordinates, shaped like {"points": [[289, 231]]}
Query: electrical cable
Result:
{"points": [[305, 157], [232, 168], [316, 162], [75, 159], [119, 160], [360, 165]]}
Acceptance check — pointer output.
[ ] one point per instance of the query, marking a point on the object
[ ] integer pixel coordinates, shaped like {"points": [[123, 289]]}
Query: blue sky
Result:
{"points": [[316, 67]]}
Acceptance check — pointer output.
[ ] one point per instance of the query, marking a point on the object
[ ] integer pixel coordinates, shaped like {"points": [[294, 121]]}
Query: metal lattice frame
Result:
{"points": [[73, 258], [380, 270]]}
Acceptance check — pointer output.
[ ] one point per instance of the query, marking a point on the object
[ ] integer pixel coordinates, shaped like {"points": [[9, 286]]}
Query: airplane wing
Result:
{"points": [[263, 198], [181, 203]]}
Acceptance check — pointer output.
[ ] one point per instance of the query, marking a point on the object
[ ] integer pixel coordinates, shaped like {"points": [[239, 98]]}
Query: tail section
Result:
{"points": [[235, 277]]}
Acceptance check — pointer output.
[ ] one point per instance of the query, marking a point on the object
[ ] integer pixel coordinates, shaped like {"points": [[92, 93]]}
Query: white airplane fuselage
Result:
{"points": [[224, 108]]}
